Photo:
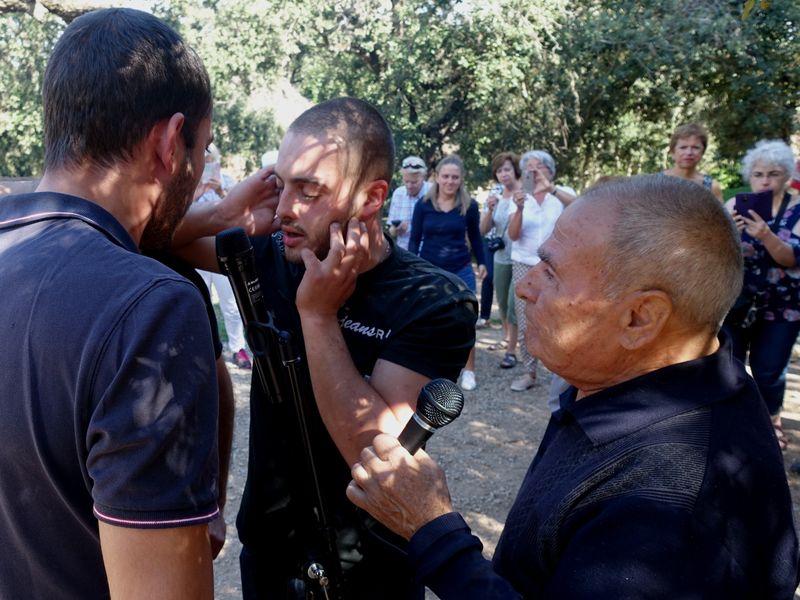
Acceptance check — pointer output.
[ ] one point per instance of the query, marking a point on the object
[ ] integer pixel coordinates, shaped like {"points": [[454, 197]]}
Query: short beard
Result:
{"points": [[169, 211]]}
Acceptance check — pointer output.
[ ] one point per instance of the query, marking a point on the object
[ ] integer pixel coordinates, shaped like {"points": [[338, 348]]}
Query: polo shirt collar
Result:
{"points": [[632, 405], [38, 206]]}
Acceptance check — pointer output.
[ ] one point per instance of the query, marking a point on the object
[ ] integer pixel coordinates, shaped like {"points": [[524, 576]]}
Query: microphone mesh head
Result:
{"points": [[232, 242], [440, 401]]}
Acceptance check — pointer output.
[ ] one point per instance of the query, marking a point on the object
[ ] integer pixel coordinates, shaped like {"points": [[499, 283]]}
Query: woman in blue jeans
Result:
{"points": [[440, 225], [765, 320]]}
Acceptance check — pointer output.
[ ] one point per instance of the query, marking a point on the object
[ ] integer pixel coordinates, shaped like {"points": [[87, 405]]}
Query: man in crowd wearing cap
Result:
{"points": [[404, 198]]}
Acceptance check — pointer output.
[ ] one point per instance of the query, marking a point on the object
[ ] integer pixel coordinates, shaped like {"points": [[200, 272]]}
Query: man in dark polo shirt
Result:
{"points": [[660, 475], [109, 417]]}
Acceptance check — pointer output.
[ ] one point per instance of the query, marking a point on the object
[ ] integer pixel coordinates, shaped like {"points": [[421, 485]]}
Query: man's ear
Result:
{"points": [[376, 193], [643, 318], [167, 141]]}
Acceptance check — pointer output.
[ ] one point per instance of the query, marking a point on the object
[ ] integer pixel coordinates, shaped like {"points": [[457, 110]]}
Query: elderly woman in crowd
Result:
{"points": [[533, 215], [441, 223], [765, 320], [686, 147], [506, 172]]}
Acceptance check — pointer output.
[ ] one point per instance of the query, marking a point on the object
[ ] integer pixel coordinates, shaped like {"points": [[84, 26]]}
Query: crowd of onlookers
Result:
{"points": [[436, 218]]}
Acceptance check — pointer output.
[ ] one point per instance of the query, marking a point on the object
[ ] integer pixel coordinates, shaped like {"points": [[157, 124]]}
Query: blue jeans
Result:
{"points": [[467, 275], [770, 346]]}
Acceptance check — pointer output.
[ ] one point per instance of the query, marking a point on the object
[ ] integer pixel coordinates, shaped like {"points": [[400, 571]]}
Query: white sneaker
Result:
{"points": [[523, 382], [467, 380], [481, 324]]}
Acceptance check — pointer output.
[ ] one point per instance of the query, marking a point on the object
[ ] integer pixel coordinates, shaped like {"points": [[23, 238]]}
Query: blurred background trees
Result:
{"points": [[599, 84]]}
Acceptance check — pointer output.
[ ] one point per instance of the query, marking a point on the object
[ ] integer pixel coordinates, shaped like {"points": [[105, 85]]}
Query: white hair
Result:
{"points": [[768, 152], [543, 157]]}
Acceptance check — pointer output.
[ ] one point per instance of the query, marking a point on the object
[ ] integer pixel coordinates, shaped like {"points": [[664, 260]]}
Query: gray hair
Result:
{"points": [[672, 235], [543, 157], [769, 152]]}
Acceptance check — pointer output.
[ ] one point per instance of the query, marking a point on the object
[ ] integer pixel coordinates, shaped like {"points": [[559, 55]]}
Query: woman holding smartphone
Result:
{"points": [[534, 213], [441, 223], [765, 320]]}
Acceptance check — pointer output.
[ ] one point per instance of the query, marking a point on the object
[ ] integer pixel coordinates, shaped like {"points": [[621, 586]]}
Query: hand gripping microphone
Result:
{"points": [[236, 260], [439, 402]]}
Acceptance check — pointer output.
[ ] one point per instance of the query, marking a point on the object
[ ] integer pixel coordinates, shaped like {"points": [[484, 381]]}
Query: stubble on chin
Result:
{"points": [[169, 211]]}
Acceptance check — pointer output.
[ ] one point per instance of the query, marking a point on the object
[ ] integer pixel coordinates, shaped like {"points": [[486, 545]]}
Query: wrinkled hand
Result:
{"points": [[217, 530], [403, 492], [491, 202], [755, 226], [481, 271], [327, 284], [251, 203], [519, 198]]}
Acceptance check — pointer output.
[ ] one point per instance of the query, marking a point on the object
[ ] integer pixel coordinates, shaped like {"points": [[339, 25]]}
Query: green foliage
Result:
{"points": [[25, 45], [598, 84]]}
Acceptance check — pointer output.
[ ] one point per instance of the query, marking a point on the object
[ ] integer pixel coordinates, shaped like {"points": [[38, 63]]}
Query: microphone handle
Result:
{"points": [[415, 434], [241, 271]]}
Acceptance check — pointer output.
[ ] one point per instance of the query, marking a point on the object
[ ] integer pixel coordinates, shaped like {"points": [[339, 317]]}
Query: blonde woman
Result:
{"points": [[440, 226]]}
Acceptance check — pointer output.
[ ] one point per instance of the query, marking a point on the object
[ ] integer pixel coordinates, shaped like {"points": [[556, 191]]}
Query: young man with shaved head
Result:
{"points": [[376, 323], [660, 475]]}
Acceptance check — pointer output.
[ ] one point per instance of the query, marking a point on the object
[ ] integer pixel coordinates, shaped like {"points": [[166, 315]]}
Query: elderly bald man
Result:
{"points": [[659, 476]]}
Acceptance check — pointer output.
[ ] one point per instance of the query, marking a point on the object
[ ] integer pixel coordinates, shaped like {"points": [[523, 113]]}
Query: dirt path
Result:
{"points": [[485, 453]]}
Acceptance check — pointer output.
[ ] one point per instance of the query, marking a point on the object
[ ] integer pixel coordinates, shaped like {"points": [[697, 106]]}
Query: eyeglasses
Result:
{"points": [[412, 164]]}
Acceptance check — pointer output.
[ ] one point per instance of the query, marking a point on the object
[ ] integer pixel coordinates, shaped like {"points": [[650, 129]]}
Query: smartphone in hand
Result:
{"points": [[528, 182], [758, 202]]}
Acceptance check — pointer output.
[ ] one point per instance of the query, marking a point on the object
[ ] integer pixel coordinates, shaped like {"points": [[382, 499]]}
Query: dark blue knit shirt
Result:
{"points": [[443, 236], [670, 485]]}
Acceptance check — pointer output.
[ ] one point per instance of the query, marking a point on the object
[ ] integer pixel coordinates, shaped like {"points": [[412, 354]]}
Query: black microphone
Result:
{"points": [[237, 261], [439, 402]]}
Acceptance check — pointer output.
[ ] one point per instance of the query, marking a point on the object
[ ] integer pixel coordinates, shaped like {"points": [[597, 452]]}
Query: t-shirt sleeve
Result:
{"points": [[151, 437], [438, 344]]}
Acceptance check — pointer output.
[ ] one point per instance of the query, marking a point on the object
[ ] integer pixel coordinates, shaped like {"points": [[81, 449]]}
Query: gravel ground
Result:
{"points": [[485, 453]]}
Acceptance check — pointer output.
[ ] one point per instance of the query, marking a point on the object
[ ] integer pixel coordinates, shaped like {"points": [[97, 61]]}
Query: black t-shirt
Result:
{"points": [[405, 311]]}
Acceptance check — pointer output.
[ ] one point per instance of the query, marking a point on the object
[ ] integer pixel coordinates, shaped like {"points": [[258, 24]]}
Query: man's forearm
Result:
{"points": [[352, 410], [201, 220]]}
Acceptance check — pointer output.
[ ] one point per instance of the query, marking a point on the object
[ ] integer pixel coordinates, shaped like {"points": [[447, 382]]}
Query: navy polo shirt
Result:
{"points": [[109, 395], [669, 485]]}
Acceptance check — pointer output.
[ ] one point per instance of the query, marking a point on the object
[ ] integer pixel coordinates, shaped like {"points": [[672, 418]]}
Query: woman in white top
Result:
{"points": [[533, 217]]}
